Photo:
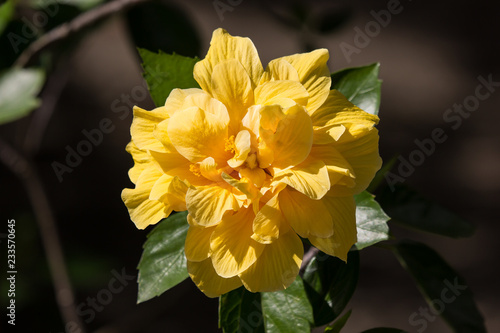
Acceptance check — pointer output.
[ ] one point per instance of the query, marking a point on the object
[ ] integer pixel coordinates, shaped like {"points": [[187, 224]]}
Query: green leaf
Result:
{"points": [[410, 209], [288, 310], [360, 85], [164, 72], [18, 90], [6, 12], [337, 326], [445, 290], [330, 284], [163, 263], [240, 311], [371, 221], [384, 330]]}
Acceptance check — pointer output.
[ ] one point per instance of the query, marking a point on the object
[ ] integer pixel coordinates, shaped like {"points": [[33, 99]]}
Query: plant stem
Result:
{"points": [[46, 223]]}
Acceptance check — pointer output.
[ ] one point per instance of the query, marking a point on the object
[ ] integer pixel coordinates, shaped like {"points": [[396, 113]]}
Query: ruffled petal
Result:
{"points": [[206, 279], [292, 140], [339, 170], [176, 101], [143, 126], [266, 224], [310, 178], [343, 212], [278, 265], [274, 92], [305, 216], [359, 146], [314, 75], [233, 249], [144, 211], [224, 47], [197, 247], [197, 135], [232, 86], [279, 69], [141, 161], [174, 164], [207, 204]]}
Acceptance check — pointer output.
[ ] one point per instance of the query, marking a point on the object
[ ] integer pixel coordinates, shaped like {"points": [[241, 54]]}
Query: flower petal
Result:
{"points": [[141, 160], [197, 135], [207, 204], [278, 265], [174, 164], [359, 146], [242, 147], [143, 126], [204, 276], [313, 74], [197, 247], [144, 211], [274, 92], [267, 222], [279, 69], [305, 216], [176, 101], [233, 249], [232, 86], [223, 47], [310, 178], [292, 140], [337, 110], [338, 168], [343, 212]]}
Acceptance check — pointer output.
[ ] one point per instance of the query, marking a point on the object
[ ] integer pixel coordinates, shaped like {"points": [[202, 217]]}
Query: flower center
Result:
{"points": [[195, 169], [229, 144]]}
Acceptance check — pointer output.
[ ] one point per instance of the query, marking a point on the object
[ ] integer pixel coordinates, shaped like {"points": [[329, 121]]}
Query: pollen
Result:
{"points": [[229, 144], [195, 169]]}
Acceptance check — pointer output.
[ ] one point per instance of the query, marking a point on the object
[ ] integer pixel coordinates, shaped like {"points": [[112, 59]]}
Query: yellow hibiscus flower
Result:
{"points": [[257, 158]]}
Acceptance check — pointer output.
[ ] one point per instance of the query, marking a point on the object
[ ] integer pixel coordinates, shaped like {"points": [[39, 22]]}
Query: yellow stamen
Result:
{"points": [[229, 146], [195, 169]]}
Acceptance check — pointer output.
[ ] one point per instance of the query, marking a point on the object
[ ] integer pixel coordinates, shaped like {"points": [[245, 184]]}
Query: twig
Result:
{"points": [[66, 29], [50, 96], [46, 223]]}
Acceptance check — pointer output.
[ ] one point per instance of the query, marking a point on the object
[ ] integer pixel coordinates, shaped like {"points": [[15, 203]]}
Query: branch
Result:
{"points": [[66, 29], [46, 223]]}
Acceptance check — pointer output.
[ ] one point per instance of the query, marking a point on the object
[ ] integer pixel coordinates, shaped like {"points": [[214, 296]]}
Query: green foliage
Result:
{"points": [[240, 311], [443, 288], [6, 12], [18, 90], [288, 310], [163, 263], [410, 209], [360, 85], [165, 72], [330, 284], [337, 326], [371, 221]]}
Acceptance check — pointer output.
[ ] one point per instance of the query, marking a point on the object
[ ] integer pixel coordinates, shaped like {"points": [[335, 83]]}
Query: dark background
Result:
{"points": [[431, 54]]}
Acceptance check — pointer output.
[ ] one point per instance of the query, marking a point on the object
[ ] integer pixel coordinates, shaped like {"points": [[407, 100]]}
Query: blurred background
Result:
{"points": [[431, 56]]}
